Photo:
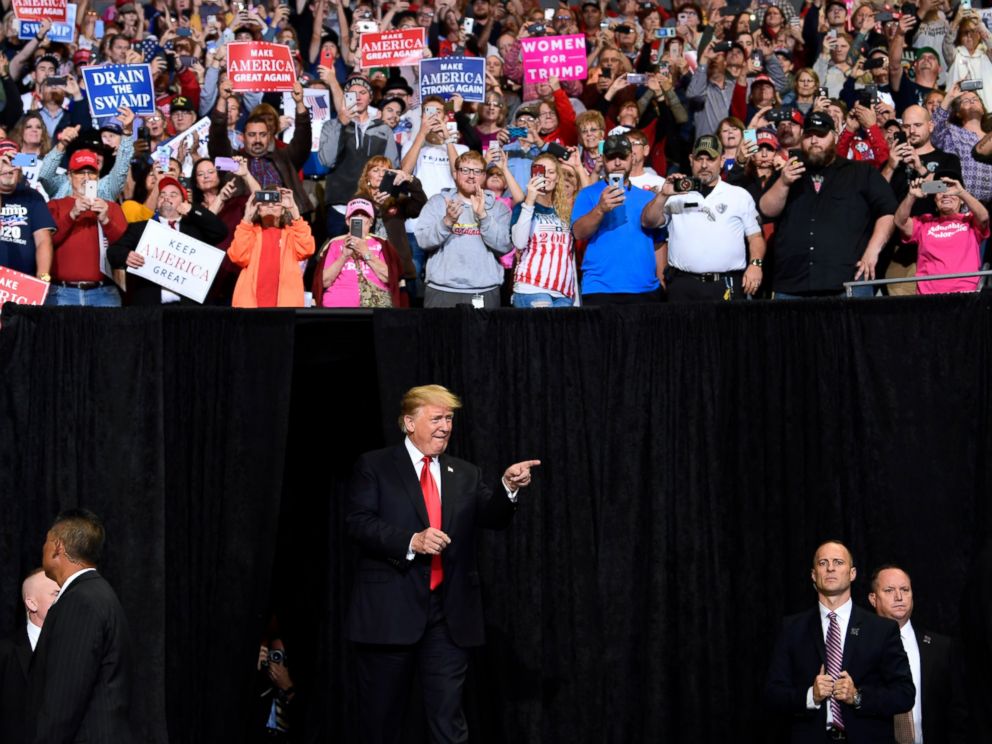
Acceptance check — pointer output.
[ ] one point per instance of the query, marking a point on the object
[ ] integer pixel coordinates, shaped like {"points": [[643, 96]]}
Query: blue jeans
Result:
{"points": [[520, 299], [855, 292], [419, 255], [98, 297]]}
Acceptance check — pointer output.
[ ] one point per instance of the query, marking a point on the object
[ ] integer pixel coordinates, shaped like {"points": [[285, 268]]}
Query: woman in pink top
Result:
{"points": [[947, 241], [347, 255]]}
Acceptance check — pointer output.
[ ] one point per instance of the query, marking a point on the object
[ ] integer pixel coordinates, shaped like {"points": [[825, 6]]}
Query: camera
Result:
{"points": [[535, 29], [779, 114], [971, 85], [685, 184], [933, 187], [723, 46], [868, 96], [277, 656]]}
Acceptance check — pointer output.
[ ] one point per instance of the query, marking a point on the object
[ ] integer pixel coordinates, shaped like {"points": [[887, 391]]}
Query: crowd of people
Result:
{"points": [[710, 152]]}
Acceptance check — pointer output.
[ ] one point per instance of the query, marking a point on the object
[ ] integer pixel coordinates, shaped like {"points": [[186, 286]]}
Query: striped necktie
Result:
{"points": [[834, 658]]}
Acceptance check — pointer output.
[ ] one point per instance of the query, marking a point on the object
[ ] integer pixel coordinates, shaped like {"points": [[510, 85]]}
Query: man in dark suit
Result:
{"points": [[838, 672], [79, 687], [940, 712], [38, 592], [417, 603], [175, 211]]}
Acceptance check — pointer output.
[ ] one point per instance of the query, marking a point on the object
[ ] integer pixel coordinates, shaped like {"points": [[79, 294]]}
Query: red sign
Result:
{"points": [[260, 67], [393, 48], [36, 10], [21, 289]]}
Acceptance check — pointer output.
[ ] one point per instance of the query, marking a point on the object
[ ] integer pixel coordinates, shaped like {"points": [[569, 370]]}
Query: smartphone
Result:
{"points": [[144, 134], [356, 230], [55, 82], [933, 187], [538, 170], [24, 160], [468, 24], [89, 190], [211, 20], [823, 92], [971, 85], [557, 150], [517, 132], [98, 30], [599, 146], [535, 29], [635, 78], [267, 197], [832, 33], [327, 58], [795, 154], [451, 125], [875, 64], [605, 25], [188, 60], [666, 32], [723, 46], [616, 180], [758, 59], [211, 46], [965, 4], [386, 185], [367, 27], [230, 165], [350, 99], [549, 15], [751, 136]]}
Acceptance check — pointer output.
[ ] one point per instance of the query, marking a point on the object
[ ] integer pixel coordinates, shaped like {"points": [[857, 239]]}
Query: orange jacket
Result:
{"points": [[295, 244]]}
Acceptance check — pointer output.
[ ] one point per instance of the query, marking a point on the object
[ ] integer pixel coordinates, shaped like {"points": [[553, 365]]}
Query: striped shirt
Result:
{"points": [[547, 258]]}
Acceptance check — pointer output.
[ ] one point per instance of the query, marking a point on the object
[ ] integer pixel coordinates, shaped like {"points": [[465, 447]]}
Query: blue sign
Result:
{"points": [[108, 87], [445, 76], [64, 33]]}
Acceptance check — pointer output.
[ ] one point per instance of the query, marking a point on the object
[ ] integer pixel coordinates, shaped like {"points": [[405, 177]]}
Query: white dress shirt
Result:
{"points": [[843, 620], [34, 633], [68, 581], [912, 648]]}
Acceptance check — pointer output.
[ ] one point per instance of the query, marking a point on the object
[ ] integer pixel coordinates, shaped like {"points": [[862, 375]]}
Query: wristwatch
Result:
{"points": [[757, 262], [857, 700]]}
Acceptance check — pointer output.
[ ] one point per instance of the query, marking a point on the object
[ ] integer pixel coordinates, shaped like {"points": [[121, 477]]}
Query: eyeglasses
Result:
{"points": [[547, 115], [470, 171], [426, 13]]}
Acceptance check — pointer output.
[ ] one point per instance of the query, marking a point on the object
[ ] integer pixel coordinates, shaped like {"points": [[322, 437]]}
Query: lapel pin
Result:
{"points": [[854, 631], [926, 639], [451, 469]]}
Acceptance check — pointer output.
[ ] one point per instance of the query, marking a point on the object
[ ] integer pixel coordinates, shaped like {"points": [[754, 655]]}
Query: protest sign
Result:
{"points": [[393, 48], [35, 10], [170, 149], [449, 75], [64, 33], [21, 289], [259, 66], [177, 262], [318, 103], [108, 87], [563, 57]]}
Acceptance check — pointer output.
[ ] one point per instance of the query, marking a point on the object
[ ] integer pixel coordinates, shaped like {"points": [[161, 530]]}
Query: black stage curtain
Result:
{"points": [[693, 458], [171, 425]]}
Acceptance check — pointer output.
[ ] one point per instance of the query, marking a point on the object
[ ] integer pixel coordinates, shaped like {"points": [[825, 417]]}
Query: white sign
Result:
{"points": [[202, 130], [318, 103], [177, 262]]}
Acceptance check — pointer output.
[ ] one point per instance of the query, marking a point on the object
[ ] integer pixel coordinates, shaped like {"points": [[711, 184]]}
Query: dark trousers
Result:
{"points": [[385, 673], [683, 287]]}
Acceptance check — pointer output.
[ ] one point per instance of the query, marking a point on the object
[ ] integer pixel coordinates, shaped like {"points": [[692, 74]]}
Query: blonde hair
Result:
{"points": [[426, 395], [562, 206]]}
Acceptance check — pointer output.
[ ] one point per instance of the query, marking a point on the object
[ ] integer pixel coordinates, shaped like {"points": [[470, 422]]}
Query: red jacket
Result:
{"points": [[566, 134], [77, 242], [865, 145]]}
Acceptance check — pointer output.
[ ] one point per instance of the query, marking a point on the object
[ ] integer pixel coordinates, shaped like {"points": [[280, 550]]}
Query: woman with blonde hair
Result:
{"points": [[969, 57], [540, 231]]}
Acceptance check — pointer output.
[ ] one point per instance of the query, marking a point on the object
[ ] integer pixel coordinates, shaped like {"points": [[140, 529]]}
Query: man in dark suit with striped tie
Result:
{"points": [[79, 687], [417, 603], [838, 672]]}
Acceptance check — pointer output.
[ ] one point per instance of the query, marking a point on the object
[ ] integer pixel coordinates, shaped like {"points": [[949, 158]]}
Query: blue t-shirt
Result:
{"points": [[620, 255], [21, 213]]}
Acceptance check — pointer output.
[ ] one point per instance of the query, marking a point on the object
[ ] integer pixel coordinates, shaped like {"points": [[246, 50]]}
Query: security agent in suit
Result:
{"points": [[940, 712], [874, 682], [399, 623], [38, 592], [79, 687]]}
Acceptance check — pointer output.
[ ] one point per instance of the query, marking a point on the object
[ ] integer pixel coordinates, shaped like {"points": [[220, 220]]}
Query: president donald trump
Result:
{"points": [[417, 604]]}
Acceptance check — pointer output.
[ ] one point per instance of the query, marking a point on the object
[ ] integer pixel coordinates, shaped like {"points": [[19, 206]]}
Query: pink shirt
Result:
{"points": [[947, 245], [344, 291]]}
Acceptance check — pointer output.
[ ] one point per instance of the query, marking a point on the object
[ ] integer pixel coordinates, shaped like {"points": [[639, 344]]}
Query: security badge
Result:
{"points": [[721, 208]]}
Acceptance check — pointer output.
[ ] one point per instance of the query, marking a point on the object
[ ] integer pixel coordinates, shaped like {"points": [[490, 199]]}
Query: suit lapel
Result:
{"points": [[407, 475], [853, 635], [816, 632], [23, 651], [449, 492], [925, 646]]}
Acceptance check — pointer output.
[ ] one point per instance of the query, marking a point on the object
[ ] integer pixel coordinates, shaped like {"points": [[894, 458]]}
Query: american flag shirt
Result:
{"points": [[547, 262]]}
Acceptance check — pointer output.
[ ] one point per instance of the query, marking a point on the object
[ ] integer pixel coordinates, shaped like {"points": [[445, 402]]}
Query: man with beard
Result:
{"points": [[175, 211], [833, 215], [25, 223], [790, 129], [715, 248], [272, 168]]}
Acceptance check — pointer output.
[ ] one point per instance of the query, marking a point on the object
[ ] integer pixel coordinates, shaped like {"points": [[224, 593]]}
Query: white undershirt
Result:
{"points": [[843, 620], [34, 633], [68, 581]]}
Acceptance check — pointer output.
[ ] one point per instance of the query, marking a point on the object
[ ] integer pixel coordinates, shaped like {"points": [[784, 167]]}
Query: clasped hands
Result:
{"points": [[825, 686]]}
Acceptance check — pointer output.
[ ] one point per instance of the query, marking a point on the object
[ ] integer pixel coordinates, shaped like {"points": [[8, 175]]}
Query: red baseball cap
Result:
{"points": [[170, 181], [84, 159], [765, 137]]}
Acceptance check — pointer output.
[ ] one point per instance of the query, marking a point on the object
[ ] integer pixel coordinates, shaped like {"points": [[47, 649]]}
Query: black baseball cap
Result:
{"points": [[818, 122], [616, 144]]}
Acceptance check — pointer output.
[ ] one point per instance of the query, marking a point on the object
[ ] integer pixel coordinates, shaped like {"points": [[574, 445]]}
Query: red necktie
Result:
{"points": [[172, 224], [432, 499]]}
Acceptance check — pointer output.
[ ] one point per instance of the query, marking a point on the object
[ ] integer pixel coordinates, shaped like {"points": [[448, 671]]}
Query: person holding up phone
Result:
{"points": [[352, 269], [269, 244], [83, 223], [545, 272], [948, 241]]}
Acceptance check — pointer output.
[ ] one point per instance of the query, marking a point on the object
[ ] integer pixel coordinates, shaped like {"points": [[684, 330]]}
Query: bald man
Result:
{"points": [[916, 157], [38, 592]]}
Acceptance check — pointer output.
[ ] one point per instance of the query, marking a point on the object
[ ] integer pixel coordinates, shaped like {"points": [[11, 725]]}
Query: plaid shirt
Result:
{"points": [[265, 173], [958, 140]]}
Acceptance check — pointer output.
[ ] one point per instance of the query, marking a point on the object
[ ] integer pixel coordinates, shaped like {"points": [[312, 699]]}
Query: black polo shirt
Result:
{"points": [[823, 232], [932, 161]]}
